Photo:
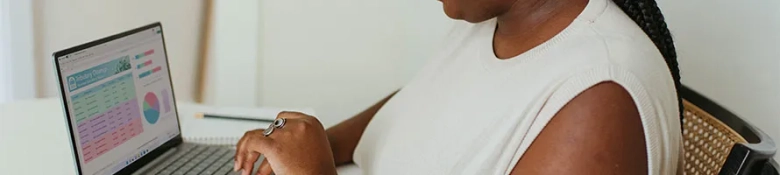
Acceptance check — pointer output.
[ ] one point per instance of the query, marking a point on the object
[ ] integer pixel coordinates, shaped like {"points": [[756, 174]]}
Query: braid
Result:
{"points": [[648, 16]]}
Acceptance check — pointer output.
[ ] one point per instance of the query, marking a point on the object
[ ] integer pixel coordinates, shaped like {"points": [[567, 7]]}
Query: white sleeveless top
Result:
{"points": [[467, 112]]}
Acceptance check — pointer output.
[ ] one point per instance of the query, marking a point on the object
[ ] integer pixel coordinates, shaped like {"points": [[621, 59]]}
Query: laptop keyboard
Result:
{"points": [[197, 160]]}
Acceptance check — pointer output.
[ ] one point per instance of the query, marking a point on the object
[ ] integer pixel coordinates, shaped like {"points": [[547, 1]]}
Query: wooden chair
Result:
{"points": [[718, 142]]}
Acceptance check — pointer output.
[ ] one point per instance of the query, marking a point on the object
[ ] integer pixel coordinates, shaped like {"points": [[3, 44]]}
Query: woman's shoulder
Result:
{"points": [[627, 45], [621, 44]]}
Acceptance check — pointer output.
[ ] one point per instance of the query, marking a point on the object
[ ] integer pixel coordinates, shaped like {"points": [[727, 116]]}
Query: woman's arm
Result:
{"points": [[344, 137], [301, 145], [597, 132]]}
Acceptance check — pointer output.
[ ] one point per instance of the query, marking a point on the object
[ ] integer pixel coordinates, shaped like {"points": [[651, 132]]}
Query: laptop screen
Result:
{"points": [[119, 99]]}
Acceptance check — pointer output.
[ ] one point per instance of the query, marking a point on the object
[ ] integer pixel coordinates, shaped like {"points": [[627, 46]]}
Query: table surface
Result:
{"points": [[34, 137]]}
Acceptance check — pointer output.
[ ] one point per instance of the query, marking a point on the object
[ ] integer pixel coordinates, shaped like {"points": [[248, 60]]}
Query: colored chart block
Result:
{"points": [[166, 101], [97, 73], [147, 53], [149, 72], [151, 108], [108, 130], [102, 98], [106, 116], [144, 74], [144, 64]]}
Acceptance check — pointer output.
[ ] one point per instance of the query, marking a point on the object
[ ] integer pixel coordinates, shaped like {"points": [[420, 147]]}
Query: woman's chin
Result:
{"points": [[451, 15], [450, 11]]}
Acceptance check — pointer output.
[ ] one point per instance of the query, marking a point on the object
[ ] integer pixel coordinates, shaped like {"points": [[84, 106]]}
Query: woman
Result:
{"points": [[526, 87]]}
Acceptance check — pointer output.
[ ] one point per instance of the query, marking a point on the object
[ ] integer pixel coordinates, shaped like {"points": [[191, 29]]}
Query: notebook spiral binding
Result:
{"points": [[216, 141]]}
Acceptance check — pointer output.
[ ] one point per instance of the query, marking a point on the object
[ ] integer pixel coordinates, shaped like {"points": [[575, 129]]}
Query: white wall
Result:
{"points": [[61, 24], [233, 57], [730, 52], [341, 56], [5, 92]]}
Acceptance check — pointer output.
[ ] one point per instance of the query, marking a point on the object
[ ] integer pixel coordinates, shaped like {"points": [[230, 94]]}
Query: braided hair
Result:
{"points": [[648, 16]]}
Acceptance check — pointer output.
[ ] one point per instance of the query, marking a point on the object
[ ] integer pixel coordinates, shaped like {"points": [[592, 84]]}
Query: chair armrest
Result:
{"points": [[771, 168]]}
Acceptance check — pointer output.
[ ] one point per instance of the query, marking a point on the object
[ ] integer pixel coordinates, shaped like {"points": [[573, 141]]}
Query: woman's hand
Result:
{"points": [[299, 147]]}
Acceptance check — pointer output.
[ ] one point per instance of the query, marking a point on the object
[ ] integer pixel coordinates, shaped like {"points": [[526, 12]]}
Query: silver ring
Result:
{"points": [[269, 130], [279, 123]]}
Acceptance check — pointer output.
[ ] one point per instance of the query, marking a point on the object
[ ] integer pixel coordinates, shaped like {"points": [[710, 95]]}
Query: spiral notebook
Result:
{"points": [[224, 132]]}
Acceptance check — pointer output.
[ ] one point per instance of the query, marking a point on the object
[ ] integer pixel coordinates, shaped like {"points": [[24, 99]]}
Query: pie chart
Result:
{"points": [[151, 108]]}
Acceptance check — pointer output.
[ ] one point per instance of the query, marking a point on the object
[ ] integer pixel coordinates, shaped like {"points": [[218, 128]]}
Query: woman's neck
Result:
{"points": [[529, 23]]}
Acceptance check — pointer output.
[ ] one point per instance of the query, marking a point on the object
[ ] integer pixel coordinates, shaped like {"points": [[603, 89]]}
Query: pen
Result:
{"points": [[204, 115]]}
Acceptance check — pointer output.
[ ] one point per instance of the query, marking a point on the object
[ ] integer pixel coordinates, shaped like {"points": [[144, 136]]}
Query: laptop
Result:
{"points": [[121, 109]]}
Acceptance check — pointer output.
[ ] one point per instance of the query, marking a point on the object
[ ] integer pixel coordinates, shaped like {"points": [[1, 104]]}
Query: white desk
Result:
{"points": [[34, 136]]}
